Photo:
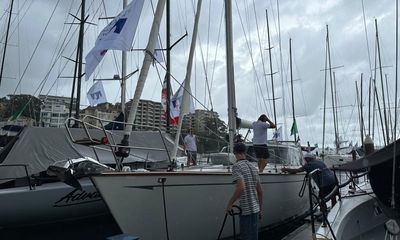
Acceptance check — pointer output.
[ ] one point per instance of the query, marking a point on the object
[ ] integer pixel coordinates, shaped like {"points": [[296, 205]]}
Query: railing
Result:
{"points": [[26, 172], [108, 138], [321, 202]]}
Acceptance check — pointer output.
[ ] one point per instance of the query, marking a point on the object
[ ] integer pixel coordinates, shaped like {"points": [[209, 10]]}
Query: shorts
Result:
{"points": [[192, 155], [261, 151]]}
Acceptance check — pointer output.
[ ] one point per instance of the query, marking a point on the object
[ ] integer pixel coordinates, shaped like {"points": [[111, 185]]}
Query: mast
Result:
{"points": [[281, 73], [79, 60], [361, 110], [230, 74], [325, 83], [386, 130], [186, 94], [123, 73], [291, 83], [336, 110], [369, 105], [6, 41], [332, 89], [393, 202], [168, 66], [270, 67], [148, 59]]}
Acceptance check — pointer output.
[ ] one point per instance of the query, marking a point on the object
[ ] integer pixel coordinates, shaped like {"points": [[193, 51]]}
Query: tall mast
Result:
{"points": [[383, 91], [361, 110], [123, 73], [336, 110], [186, 94], [168, 66], [148, 59], [6, 41], [332, 89], [230, 74], [291, 83], [393, 202], [79, 60], [325, 84], [281, 74], [270, 67]]}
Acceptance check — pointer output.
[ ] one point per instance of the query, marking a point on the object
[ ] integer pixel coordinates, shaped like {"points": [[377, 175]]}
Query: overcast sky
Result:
{"points": [[34, 55]]}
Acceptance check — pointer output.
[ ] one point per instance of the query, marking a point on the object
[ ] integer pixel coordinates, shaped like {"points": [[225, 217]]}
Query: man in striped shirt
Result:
{"points": [[248, 189]]}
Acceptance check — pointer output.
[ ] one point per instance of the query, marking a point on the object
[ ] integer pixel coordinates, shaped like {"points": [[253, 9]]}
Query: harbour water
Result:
{"points": [[102, 227], [98, 228]]}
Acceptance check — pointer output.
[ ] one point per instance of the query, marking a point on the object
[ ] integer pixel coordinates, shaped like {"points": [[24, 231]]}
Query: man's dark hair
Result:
{"points": [[239, 148], [263, 118]]}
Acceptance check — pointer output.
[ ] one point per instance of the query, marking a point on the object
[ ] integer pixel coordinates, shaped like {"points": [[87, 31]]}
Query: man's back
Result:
{"points": [[260, 132], [325, 178], [243, 169]]}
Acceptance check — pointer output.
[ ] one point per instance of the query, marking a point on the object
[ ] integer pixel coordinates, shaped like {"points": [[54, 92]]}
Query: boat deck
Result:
{"points": [[303, 232]]}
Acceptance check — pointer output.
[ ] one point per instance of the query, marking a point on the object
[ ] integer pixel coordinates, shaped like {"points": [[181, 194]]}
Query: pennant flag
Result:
{"points": [[117, 35], [96, 94], [176, 102], [293, 129], [278, 134]]}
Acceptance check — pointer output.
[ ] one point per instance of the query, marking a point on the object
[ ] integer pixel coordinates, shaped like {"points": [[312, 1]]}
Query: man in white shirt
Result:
{"points": [[190, 142], [260, 128]]}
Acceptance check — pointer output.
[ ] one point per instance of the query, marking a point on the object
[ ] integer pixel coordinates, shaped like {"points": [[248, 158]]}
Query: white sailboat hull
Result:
{"points": [[194, 202], [49, 203], [357, 217]]}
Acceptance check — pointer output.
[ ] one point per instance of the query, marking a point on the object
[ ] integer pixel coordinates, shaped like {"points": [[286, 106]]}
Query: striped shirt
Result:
{"points": [[243, 169]]}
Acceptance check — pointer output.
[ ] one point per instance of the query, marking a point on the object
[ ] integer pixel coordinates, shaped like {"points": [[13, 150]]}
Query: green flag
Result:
{"points": [[293, 129]]}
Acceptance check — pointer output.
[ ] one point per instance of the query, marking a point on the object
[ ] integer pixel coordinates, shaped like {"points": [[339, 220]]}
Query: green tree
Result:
{"points": [[213, 138], [22, 105]]}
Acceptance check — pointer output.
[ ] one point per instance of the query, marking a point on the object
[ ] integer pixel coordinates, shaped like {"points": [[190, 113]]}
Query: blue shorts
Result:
{"points": [[249, 227]]}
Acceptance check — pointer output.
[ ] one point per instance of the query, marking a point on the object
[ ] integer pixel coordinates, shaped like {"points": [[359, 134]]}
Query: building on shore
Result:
{"points": [[54, 110]]}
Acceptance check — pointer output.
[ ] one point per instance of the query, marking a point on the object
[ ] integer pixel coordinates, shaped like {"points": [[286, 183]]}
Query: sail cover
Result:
{"points": [[40, 147]]}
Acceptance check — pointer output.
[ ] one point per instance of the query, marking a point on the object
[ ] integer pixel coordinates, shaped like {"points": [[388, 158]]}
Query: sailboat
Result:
{"points": [[189, 203], [374, 212], [37, 158]]}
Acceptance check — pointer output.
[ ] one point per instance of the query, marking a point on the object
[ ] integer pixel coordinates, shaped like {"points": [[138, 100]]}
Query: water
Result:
{"points": [[102, 227], [98, 228]]}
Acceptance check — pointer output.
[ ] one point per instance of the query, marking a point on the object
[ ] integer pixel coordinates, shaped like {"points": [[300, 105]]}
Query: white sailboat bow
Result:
{"points": [[189, 204]]}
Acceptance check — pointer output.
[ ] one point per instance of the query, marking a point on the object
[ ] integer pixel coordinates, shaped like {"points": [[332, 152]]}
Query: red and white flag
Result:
{"points": [[175, 104]]}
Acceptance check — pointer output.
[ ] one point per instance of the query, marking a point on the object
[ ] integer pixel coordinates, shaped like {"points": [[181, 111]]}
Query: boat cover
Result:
{"points": [[39, 147], [378, 157]]}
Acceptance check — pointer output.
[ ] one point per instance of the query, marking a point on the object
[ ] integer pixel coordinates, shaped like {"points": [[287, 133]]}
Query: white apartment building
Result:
{"points": [[54, 110]]}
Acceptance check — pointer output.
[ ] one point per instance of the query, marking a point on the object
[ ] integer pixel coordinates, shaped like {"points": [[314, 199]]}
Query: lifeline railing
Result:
{"points": [[324, 200], [108, 138]]}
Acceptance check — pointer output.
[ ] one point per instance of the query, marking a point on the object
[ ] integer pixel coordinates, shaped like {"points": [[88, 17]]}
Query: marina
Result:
{"points": [[221, 120]]}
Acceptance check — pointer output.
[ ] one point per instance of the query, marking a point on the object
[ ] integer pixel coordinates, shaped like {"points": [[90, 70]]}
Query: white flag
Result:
{"points": [[278, 134], [96, 94], [176, 102], [117, 35]]}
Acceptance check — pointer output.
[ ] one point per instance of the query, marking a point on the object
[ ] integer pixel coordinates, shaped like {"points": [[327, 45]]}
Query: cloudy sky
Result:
{"points": [[40, 41]]}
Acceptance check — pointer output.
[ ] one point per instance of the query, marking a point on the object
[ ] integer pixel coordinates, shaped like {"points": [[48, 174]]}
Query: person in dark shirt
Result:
{"points": [[325, 179]]}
